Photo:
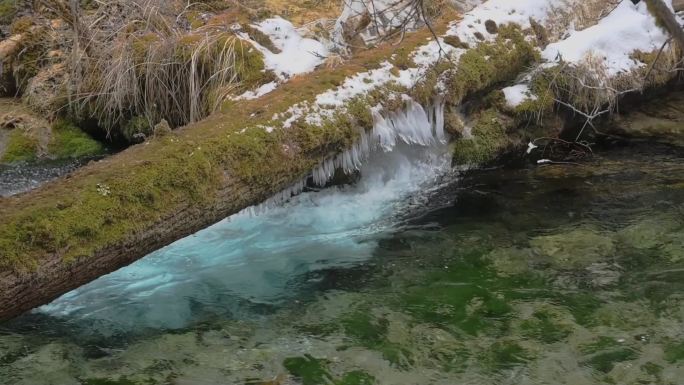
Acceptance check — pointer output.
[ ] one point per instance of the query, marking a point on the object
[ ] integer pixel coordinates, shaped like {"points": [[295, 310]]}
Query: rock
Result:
{"points": [[540, 32], [454, 124], [574, 249], [661, 233], [162, 129], [661, 119], [491, 26], [510, 261], [455, 42], [46, 92]]}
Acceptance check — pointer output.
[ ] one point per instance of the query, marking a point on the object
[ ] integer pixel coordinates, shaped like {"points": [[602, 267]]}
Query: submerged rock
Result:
{"points": [[573, 249], [661, 120]]}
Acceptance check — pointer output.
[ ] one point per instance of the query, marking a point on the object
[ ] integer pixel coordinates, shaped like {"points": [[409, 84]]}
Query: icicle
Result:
{"points": [[413, 125], [439, 120]]}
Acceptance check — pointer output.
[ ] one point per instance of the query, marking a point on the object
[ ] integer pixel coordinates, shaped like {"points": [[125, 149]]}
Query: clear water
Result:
{"points": [[568, 274]]}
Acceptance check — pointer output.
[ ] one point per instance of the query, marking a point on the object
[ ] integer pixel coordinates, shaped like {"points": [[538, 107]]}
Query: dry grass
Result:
{"points": [[580, 13], [302, 12], [137, 60]]}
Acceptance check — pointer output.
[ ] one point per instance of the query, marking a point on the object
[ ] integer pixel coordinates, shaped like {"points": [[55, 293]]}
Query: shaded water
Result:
{"points": [[21, 177], [568, 274]]}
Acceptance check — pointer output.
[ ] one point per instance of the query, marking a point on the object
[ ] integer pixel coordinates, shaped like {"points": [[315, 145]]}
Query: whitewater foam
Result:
{"points": [[247, 260]]}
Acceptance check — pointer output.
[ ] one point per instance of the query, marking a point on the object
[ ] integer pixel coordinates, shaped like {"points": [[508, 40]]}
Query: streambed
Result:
{"points": [[560, 274]]}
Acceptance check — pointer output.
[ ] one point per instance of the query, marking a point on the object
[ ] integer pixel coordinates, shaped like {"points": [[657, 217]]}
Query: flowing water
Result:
{"points": [[559, 274], [18, 178]]}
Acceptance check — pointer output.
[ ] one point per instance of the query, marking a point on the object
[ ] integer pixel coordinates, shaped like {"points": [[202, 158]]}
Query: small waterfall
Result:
{"points": [[414, 125], [248, 261]]}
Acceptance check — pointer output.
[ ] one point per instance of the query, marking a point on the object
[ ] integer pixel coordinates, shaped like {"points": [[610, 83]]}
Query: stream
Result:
{"points": [[554, 274]]}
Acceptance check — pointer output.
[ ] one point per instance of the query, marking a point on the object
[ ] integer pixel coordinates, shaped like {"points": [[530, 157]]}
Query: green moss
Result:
{"points": [[542, 101], [461, 296], [309, 370], [488, 139], [68, 141], [250, 67], [138, 127], [104, 381], [424, 91], [582, 306], [602, 343], [8, 10], [504, 355], [188, 170], [372, 334], [544, 327], [491, 63], [356, 377], [261, 38], [21, 147], [674, 352], [313, 371], [605, 361]]}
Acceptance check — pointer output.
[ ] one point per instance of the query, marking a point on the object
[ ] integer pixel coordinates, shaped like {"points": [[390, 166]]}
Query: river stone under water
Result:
{"points": [[560, 274]]}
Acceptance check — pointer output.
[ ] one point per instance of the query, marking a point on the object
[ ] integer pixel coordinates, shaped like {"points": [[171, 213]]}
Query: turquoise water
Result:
{"points": [[560, 274]]}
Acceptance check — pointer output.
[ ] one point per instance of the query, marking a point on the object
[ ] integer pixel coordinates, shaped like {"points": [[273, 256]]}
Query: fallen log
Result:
{"points": [[668, 19], [115, 211]]}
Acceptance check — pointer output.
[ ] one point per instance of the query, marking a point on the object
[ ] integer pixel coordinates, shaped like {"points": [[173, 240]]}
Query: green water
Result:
{"points": [[565, 274]]}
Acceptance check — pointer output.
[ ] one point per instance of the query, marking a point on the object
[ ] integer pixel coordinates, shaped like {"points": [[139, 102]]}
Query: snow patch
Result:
{"points": [[259, 92], [627, 29], [298, 54], [517, 94], [502, 12]]}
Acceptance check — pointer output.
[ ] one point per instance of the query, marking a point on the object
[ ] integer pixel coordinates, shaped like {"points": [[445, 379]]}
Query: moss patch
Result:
{"points": [[68, 141], [372, 333], [674, 352], [491, 63], [504, 355], [605, 361], [21, 147], [137, 189], [544, 327], [489, 137]]}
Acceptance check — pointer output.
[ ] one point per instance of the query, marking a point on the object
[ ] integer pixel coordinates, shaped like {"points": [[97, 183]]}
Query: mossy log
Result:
{"points": [[115, 211]]}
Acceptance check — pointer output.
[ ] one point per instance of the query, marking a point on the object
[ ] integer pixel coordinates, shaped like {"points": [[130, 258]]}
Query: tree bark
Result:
{"points": [[669, 20], [678, 5]]}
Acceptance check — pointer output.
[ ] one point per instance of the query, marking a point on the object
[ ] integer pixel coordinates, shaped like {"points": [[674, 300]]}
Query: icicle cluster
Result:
{"points": [[413, 125]]}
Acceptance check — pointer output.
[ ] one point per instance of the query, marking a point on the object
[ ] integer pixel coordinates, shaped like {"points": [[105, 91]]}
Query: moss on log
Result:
{"points": [[115, 211]]}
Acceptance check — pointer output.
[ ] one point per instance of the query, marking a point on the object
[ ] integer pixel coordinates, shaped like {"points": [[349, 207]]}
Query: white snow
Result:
{"points": [[259, 92], [517, 94], [298, 54], [627, 29], [502, 12]]}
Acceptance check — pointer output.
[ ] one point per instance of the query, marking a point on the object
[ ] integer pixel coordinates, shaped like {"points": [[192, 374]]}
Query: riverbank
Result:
{"points": [[113, 212], [565, 273]]}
